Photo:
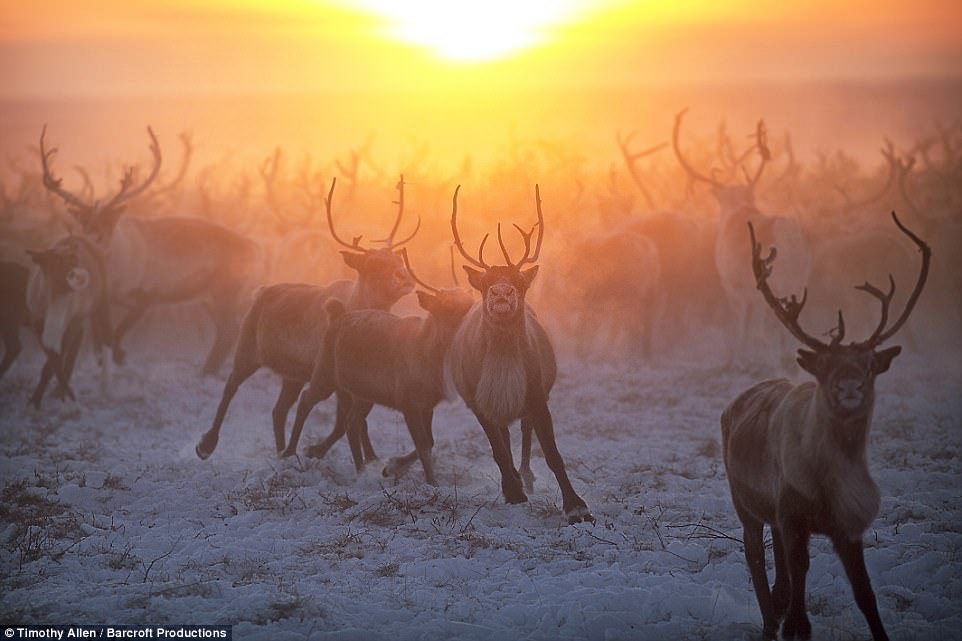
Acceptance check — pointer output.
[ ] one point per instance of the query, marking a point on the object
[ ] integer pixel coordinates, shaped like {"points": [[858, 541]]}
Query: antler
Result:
{"points": [[407, 264], [894, 169], [761, 144], [527, 237], [479, 262], [630, 158], [355, 246], [786, 309], [880, 335], [127, 194], [52, 183], [389, 241], [689, 169]]}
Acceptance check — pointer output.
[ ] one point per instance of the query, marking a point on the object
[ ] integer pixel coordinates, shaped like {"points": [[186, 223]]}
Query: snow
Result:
{"points": [[109, 517]]}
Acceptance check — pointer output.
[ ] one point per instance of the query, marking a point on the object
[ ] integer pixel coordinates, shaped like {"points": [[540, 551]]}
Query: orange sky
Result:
{"points": [[149, 47]]}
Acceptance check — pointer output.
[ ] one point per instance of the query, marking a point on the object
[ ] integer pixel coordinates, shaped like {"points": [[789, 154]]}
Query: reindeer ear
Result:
{"points": [[427, 301], [808, 361], [883, 359], [528, 276], [474, 277], [354, 261]]}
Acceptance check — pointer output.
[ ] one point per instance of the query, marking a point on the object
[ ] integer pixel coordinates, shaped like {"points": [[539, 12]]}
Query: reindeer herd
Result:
{"points": [[795, 455]]}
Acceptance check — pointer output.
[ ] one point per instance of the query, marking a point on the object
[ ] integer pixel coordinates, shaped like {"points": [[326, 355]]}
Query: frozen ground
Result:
{"points": [[107, 516]]}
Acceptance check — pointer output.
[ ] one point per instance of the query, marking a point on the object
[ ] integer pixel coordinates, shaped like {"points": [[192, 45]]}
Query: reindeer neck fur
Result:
{"points": [[489, 366], [823, 457], [363, 296]]}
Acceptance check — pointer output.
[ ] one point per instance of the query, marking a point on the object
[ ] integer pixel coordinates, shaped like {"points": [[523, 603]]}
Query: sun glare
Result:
{"points": [[475, 31]]}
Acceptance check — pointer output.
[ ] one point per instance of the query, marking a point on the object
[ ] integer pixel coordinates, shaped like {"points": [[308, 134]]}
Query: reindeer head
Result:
{"points": [[60, 265], [730, 195], [381, 272], [98, 218], [845, 373], [449, 306], [502, 287]]}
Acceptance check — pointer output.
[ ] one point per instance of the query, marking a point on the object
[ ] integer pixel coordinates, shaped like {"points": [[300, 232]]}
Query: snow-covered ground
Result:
{"points": [[107, 516]]}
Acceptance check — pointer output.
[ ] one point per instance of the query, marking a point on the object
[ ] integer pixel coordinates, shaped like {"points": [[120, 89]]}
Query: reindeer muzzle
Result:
{"points": [[78, 279]]}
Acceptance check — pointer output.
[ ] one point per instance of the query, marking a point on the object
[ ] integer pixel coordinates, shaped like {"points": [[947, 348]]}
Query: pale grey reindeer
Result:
{"points": [[163, 260], [286, 323], [66, 293], [502, 364], [795, 454], [736, 204], [373, 356]]}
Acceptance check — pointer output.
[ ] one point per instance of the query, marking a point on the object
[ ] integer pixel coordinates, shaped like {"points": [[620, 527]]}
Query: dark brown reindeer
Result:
{"points": [[163, 260], [65, 293], [286, 323], [795, 455], [375, 357], [502, 364]]}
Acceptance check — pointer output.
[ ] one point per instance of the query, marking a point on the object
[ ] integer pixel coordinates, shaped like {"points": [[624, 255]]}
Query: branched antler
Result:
{"points": [[788, 309]]}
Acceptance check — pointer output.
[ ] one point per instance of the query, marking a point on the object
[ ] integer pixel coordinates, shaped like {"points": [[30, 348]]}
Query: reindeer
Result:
{"points": [[795, 455], [286, 323], [65, 292], [166, 260], [503, 366], [372, 356], [737, 206]]}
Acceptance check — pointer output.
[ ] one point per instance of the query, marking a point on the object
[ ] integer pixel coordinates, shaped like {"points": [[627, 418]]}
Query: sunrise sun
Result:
{"points": [[473, 31]]}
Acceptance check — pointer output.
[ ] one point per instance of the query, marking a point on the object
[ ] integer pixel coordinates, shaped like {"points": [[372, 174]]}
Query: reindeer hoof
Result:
{"points": [[202, 452], [287, 453], [579, 514], [395, 467], [513, 496]]}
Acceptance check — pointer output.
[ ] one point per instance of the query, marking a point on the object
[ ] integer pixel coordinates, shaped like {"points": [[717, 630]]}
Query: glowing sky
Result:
{"points": [[116, 47]]}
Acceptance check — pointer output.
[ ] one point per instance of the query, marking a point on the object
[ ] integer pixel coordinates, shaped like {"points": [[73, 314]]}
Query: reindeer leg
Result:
{"points": [[419, 425], [753, 532], [51, 365], [795, 535], [134, 314], [853, 559], [397, 465], [71, 342], [312, 395], [526, 474], [290, 389], [574, 506], [352, 415], [782, 586], [341, 423], [243, 369], [361, 411], [510, 481]]}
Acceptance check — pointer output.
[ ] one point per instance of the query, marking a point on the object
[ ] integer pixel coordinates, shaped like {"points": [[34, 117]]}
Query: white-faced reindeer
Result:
{"points": [[66, 292], [502, 364], [165, 260], [736, 207], [286, 323], [373, 356], [795, 454]]}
